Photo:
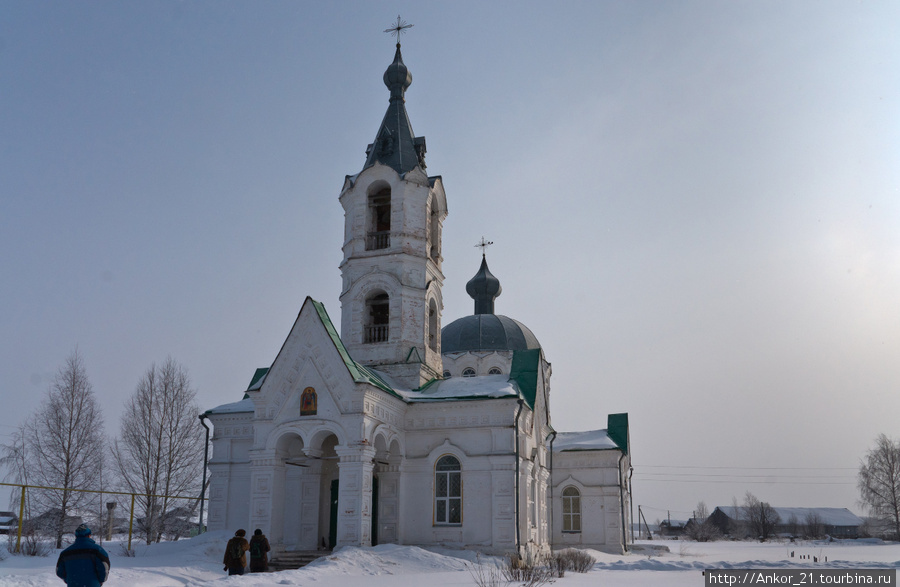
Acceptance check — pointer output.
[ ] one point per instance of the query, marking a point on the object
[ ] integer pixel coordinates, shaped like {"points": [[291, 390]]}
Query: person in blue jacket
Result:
{"points": [[84, 563]]}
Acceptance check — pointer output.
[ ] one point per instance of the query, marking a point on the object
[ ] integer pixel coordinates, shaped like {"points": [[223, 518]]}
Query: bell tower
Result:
{"points": [[391, 272]]}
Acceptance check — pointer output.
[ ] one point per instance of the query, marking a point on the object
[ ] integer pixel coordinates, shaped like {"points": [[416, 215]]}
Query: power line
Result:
{"points": [[737, 476], [747, 468], [752, 482]]}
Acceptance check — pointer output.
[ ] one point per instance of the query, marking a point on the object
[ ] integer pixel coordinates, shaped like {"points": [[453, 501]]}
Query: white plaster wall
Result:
{"points": [[481, 361], [596, 475], [405, 271], [480, 435]]}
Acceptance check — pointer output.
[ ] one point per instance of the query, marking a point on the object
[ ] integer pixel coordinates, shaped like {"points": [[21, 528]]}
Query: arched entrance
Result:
{"points": [[290, 450], [328, 493]]}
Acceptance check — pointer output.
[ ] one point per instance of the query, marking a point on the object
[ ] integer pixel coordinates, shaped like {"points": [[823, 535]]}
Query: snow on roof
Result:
{"points": [[245, 405], [492, 386], [828, 516], [587, 440]]}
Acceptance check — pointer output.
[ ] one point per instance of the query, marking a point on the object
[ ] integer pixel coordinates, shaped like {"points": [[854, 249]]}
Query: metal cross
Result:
{"points": [[484, 244], [399, 28]]}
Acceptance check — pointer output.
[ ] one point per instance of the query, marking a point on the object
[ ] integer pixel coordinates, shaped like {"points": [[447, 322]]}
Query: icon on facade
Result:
{"points": [[308, 402]]}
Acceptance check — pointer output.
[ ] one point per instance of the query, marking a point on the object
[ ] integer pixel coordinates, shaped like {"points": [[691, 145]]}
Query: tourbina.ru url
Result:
{"points": [[732, 577]]}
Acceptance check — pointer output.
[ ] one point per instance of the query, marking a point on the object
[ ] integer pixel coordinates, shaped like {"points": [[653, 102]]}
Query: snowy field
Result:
{"points": [[197, 562]]}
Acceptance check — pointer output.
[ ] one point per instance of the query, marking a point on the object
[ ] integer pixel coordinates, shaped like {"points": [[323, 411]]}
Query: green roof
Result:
{"points": [[524, 372], [360, 373], [259, 374], [617, 429]]}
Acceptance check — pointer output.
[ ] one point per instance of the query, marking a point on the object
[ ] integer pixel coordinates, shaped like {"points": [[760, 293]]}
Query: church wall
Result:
{"points": [[479, 434], [229, 492], [596, 475], [229, 465]]}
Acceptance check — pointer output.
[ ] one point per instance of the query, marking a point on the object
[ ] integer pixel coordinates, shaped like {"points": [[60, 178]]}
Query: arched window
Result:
{"points": [[379, 232], [447, 375], [432, 325], [468, 372], [447, 491], [378, 313], [532, 499], [495, 371], [571, 502], [435, 235]]}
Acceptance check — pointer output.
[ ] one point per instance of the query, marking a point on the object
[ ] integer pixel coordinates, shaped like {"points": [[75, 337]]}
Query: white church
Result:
{"points": [[396, 430]]}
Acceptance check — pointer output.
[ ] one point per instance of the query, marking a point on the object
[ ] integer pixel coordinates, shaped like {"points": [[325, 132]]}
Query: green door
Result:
{"points": [[332, 521], [374, 511]]}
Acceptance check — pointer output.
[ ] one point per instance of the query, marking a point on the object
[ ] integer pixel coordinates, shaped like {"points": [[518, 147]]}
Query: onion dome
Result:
{"points": [[486, 331], [397, 76], [395, 144], [484, 289]]}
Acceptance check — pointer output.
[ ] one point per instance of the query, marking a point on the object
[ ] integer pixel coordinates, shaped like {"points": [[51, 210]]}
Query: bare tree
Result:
{"points": [[879, 482], [737, 528], [62, 447], [14, 462], [793, 525], [761, 518], [700, 527], [814, 525], [159, 452]]}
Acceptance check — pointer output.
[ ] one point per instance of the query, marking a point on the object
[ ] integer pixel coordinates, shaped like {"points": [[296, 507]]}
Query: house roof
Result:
{"points": [[828, 516]]}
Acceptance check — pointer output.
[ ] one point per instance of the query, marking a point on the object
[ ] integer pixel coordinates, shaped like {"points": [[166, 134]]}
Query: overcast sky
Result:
{"points": [[695, 207]]}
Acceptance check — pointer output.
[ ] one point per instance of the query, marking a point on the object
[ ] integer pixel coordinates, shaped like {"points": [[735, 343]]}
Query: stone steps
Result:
{"points": [[295, 559]]}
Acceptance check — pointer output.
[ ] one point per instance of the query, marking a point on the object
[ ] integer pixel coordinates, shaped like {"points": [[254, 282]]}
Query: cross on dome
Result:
{"points": [[484, 244], [398, 29]]}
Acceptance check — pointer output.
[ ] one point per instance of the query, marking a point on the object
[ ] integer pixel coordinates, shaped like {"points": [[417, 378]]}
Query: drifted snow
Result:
{"points": [[588, 440], [245, 405], [197, 562], [465, 387]]}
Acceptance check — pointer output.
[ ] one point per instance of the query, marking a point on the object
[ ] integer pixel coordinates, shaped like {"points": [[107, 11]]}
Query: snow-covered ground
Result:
{"points": [[197, 562]]}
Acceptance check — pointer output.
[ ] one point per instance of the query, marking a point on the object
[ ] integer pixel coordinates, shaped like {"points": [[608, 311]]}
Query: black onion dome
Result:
{"points": [[397, 77], [487, 332], [484, 288]]}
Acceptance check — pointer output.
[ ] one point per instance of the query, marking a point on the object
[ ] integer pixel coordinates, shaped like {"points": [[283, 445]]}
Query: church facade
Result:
{"points": [[396, 430]]}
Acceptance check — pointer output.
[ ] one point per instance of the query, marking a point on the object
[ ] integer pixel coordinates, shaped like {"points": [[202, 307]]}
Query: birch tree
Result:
{"points": [[159, 451], [879, 482], [63, 447], [13, 461]]}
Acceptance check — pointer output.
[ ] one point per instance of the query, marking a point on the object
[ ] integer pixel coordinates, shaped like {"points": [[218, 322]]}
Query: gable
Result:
{"points": [[311, 354]]}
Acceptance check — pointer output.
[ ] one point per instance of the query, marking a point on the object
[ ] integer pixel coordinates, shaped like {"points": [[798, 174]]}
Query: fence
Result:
{"points": [[101, 493]]}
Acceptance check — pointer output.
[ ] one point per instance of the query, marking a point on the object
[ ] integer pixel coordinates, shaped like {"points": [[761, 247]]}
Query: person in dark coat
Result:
{"points": [[259, 546], [235, 558], [84, 563]]}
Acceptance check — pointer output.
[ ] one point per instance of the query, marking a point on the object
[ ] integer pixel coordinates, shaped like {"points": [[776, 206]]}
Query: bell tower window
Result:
{"points": [[432, 325], [379, 233], [378, 311]]}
